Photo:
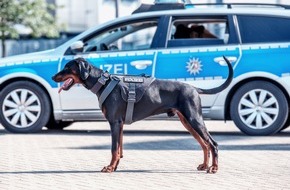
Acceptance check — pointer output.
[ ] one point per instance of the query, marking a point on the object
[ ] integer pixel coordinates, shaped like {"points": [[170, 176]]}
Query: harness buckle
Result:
{"points": [[104, 77]]}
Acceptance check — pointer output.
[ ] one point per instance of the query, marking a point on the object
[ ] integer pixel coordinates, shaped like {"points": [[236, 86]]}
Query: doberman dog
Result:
{"points": [[161, 96]]}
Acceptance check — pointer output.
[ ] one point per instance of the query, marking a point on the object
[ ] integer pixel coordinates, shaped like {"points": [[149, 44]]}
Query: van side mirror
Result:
{"points": [[77, 47]]}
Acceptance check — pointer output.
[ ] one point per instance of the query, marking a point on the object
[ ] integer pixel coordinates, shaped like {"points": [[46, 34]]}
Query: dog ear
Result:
{"points": [[84, 68]]}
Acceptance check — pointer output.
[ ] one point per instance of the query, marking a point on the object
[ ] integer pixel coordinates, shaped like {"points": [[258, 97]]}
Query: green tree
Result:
{"points": [[32, 14]]}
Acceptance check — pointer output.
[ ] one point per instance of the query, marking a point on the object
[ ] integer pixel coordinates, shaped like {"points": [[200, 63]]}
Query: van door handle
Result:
{"points": [[141, 64], [222, 62]]}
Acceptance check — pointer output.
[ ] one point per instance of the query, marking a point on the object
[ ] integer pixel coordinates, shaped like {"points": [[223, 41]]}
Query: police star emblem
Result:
{"points": [[194, 66]]}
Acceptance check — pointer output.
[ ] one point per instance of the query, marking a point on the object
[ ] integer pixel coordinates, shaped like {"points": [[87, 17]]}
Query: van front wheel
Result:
{"points": [[25, 107]]}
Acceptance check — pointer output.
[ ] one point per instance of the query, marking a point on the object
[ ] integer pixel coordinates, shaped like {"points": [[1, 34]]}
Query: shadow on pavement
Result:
{"points": [[190, 144], [96, 171], [126, 132], [136, 132], [47, 172], [230, 140]]}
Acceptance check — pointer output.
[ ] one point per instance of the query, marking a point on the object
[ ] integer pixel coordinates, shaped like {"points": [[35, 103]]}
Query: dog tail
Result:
{"points": [[224, 85]]}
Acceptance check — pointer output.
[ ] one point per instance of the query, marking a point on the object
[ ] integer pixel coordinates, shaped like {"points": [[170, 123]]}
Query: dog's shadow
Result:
{"points": [[188, 143], [161, 171], [37, 172]]}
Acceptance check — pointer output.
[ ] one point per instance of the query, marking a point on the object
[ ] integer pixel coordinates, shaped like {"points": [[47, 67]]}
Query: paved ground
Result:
{"points": [[158, 155]]}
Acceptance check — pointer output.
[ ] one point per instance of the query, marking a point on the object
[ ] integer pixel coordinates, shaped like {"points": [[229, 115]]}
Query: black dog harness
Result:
{"points": [[129, 86], [131, 96], [132, 90], [105, 76]]}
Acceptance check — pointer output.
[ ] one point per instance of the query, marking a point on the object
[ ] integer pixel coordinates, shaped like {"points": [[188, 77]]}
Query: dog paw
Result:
{"points": [[202, 167], [108, 169], [212, 169]]}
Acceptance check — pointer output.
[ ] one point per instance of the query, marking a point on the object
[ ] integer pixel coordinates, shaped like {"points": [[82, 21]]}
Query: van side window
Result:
{"points": [[255, 29], [129, 37], [198, 31]]}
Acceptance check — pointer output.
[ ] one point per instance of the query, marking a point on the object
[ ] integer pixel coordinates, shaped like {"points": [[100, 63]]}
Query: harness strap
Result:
{"points": [[130, 103], [108, 90], [101, 82]]}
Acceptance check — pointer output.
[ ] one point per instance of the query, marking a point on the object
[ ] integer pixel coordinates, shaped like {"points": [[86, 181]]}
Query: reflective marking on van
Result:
{"points": [[94, 56], [28, 62], [199, 49], [285, 74], [266, 46], [195, 79]]}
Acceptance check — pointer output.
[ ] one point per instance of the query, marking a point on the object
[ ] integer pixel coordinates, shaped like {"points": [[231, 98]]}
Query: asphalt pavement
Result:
{"points": [[157, 155]]}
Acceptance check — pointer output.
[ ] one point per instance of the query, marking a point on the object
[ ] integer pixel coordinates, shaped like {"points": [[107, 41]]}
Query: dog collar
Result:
{"points": [[105, 76]]}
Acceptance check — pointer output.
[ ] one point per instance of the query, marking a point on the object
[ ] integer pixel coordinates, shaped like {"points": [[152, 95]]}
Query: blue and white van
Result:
{"points": [[184, 44]]}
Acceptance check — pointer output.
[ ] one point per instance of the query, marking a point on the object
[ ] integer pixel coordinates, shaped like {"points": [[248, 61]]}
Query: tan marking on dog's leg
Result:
{"points": [[116, 156], [120, 147], [214, 167], [121, 143], [113, 164]]}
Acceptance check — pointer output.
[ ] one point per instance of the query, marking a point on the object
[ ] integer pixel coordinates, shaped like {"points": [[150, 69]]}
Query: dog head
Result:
{"points": [[74, 72]]}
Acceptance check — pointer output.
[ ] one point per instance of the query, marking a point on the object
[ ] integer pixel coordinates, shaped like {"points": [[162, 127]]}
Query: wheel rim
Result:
{"points": [[21, 108], [258, 109]]}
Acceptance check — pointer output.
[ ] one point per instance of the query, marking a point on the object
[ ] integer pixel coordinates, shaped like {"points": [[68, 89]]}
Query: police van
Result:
{"points": [[170, 41]]}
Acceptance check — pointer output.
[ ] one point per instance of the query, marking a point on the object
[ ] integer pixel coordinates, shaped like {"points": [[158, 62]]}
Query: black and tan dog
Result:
{"points": [[161, 96]]}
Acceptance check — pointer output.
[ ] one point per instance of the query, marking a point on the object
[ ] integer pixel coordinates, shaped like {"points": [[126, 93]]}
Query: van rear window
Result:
{"points": [[260, 29]]}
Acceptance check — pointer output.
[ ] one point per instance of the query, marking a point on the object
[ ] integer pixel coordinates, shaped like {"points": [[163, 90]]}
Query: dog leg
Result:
{"points": [[120, 147], [214, 152], [202, 132], [204, 146], [117, 147], [192, 114]]}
